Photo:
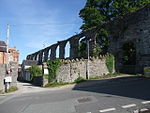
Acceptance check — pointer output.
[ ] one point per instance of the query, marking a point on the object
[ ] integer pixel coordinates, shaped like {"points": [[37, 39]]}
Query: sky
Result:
{"points": [[36, 24]]}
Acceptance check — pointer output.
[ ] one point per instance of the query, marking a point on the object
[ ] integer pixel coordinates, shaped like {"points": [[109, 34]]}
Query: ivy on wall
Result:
{"points": [[110, 63], [53, 66]]}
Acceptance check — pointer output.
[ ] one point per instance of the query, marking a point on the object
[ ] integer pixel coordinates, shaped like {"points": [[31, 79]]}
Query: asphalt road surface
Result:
{"points": [[119, 95]]}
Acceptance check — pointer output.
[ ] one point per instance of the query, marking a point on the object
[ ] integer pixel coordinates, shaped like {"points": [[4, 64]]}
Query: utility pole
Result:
{"points": [[7, 77], [7, 37]]}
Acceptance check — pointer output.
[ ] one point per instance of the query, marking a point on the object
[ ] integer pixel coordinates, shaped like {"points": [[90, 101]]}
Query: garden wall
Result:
{"points": [[72, 69]]}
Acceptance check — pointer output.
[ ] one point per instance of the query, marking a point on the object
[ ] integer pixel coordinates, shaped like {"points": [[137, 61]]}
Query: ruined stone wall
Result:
{"points": [[133, 28], [72, 69]]}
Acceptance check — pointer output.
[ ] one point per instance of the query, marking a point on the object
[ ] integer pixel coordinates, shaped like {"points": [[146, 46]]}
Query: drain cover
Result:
{"points": [[83, 100]]}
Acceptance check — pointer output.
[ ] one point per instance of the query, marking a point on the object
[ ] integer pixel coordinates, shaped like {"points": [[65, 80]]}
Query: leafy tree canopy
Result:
{"points": [[97, 12]]}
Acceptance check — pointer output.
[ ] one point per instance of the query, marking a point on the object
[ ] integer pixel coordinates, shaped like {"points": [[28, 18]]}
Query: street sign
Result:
{"points": [[45, 71], [8, 79]]}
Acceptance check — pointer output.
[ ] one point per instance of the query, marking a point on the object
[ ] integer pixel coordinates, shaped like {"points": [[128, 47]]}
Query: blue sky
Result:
{"points": [[37, 22]]}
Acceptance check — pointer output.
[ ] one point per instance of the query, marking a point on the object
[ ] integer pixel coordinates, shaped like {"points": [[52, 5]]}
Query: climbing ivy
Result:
{"points": [[53, 66], [110, 63]]}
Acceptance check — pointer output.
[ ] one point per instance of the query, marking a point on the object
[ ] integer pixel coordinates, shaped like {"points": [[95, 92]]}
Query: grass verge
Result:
{"points": [[56, 84], [104, 76], [79, 80], [12, 89]]}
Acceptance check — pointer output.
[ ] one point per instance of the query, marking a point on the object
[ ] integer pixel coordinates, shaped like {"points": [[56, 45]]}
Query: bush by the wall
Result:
{"points": [[53, 66], [110, 63], [79, 79], [35, 71]]}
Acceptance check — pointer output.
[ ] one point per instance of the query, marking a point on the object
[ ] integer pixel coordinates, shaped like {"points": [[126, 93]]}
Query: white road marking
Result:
{"points": [[136, 111], [129, 106], [146, 102], [106, 110], [144, 109], [89, 112]]}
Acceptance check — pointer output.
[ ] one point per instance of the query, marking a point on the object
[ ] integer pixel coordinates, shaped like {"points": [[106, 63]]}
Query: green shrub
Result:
{"points": [[79, 79], [110, 63], [53, 66], [35, 71], [12, 89]]}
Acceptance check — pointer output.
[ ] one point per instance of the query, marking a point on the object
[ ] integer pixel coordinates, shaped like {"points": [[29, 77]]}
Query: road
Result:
{"points": [[118, 95]]}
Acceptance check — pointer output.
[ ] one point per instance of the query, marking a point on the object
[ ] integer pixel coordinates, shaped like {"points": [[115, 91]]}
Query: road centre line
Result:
{"points": [[146, 102], [106, 110], [129, 106]]}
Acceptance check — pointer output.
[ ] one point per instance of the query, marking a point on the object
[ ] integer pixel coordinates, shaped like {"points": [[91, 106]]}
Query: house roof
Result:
{"points": [[2, 46], [2, 43], [30, 62]]}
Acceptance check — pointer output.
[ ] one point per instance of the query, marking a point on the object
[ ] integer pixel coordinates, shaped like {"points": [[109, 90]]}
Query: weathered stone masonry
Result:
{"points": [[14, 74], [72, 69]]}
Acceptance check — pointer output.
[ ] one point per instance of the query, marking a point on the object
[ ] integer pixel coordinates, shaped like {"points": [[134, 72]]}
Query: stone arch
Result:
{"points": [[82, 48], [129, 53], [57, 51], [125, 57], [37, 57], [67, 50], [49, 53]]}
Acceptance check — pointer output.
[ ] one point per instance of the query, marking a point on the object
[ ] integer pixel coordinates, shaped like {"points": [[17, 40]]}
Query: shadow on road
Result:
{"points": [[133, 87]]}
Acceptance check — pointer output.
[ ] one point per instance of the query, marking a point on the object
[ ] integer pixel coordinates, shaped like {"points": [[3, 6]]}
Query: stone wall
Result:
{"points": [[2, 75], [14, 74], [72, 69]]}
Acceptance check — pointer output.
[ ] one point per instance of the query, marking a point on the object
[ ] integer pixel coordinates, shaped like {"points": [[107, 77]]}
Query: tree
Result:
{"points": [[82, 50], [96, 50], [97, 12]]}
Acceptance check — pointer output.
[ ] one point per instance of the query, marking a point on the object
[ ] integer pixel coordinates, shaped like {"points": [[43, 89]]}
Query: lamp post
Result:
{"points": [[88, 55]]}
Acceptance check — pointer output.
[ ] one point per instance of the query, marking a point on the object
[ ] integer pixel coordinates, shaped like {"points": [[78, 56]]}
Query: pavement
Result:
{"points": [[118, 95]]}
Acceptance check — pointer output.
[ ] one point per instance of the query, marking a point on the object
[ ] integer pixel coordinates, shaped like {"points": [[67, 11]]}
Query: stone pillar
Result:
{"points": [[74, 43], [53, 51], [62, 46], [35, 57], [40, 57], [46, 51]]}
